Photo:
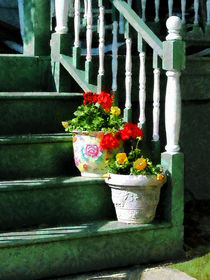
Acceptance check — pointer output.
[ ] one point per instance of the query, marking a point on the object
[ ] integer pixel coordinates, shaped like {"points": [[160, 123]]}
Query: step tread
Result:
{"points": [[44, 95], [38, 183], [73, 231], [35, 138]]}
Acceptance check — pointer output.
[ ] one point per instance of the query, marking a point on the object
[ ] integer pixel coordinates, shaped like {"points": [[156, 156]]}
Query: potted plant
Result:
{"points": [[135, 182], [93, 128]]}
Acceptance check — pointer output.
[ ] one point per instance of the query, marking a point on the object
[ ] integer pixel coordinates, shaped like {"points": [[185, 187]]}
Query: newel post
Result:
{"points": [[173, 62], [172, 160]]}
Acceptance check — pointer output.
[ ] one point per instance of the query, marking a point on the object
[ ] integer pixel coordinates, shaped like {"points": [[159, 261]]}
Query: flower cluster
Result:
{"points": [[90, 97], [97, 113], [134, 163], [128, 131]]}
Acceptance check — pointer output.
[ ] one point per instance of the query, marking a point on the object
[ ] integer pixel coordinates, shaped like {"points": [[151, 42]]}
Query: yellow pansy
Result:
{"points": [[140, 163], [160, 176], [65, 124], [121, 158], [115, 110]]}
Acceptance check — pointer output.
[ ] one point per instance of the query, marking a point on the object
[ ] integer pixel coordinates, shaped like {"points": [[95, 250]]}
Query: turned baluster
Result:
{"points": [[114, 58], [183, 8], [89, 35], [142, 83], [208, 12], [143, 6], [76, 49], [61, 12], [170, 7], [156, 97], [101, 46], [157, 6], [173, 65], [196, 8], [128, 73]]}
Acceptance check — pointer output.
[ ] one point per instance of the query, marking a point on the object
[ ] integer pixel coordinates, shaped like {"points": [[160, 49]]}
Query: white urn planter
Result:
{"points": [[135, 197]]}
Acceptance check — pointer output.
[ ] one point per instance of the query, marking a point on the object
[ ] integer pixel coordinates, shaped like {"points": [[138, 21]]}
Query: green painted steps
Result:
{"points": [[24, 73], [53, 202], [36, 112], [36, 156], [51, 252]]}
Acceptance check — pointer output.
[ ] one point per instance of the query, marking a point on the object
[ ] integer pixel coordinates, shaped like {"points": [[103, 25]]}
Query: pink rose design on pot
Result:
{"points": [[76, 161], [92, 150]]}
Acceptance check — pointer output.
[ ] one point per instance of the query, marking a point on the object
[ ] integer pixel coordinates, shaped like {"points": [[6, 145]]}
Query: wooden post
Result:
{"points": [[36, 27], [114, 60], [156, 108], [128, 73], [61, 12], [76, 48], [172, 160], [61, 44], [100, 78], [173, 62], [89, 35], [170, 7], [157, 5]]}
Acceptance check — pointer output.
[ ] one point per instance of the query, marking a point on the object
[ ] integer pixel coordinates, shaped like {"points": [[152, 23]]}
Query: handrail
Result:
{"points": [[134, 20]]}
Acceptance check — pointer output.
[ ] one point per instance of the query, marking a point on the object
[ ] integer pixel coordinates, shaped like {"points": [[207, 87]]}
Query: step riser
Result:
{"points": [[58, 204], [35, 114], [58, 258], [36, 160], [24, 73]]}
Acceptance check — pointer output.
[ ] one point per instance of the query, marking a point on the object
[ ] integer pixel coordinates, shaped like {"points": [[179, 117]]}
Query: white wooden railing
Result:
{"points": [[165, 51]]}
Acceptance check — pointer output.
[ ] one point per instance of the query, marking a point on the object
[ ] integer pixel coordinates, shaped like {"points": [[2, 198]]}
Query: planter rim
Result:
{"points": [[89, 133], [134, 181]]}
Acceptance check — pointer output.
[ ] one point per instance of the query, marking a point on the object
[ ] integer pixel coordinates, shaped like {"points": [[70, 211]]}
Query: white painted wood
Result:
{"points": [[208, 12], [173, 111], [143, 7], [71, 8], [128, 73], [85, 9], [142, 89], [114, 56], [101, 40], [61, 12], [173, 95], [196, 8], [52, 8], [76, 23], [183, 8], [173, 25], [89, 32], [157, 6], [156, 104], [122, 24], [170, 7]]}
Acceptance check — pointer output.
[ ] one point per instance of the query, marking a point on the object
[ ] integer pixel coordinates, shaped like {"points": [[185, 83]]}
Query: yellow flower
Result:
{"points": [[65, 124], [160, 176], [140, 163], [115, 110], [121, 158]]}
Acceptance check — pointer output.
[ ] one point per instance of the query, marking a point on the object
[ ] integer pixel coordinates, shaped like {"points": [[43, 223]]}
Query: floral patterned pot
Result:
{"points": [[135, 197], [88, 157]]}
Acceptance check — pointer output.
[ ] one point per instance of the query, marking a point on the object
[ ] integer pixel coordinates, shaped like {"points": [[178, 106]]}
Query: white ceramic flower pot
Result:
{"points": [[135, 197]]}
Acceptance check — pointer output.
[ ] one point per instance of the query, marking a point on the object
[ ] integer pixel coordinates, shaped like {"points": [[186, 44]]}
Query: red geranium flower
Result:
{"points": [[90, 97], [130, 130], [109, 141], [105, 100]]}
